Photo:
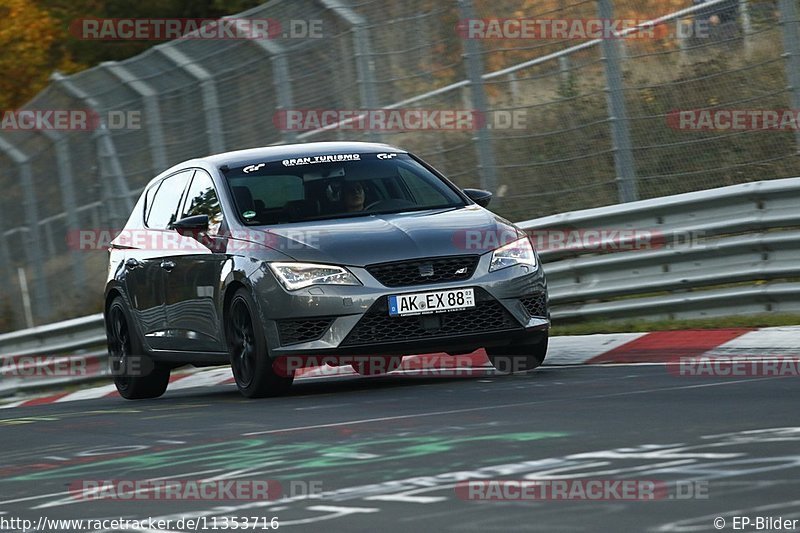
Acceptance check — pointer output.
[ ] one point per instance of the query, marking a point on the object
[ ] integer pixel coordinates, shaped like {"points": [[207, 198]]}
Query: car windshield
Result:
{"points": [[335, 186]]}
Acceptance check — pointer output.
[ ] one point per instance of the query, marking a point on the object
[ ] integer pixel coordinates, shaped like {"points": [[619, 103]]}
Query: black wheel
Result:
{"points": [[136, 375], [252, 366], [376, 366], [518, 358]]}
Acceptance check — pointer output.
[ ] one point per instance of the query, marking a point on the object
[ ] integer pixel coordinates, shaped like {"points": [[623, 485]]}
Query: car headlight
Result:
{"points": [[295, 276], [519, 252]]}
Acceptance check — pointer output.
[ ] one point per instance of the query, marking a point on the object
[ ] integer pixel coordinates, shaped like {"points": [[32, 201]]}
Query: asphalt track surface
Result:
{"points": [[386, 452]]}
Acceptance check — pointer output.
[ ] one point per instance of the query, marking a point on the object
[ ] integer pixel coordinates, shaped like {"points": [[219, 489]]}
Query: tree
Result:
{"points": [[35, 38], [27, 38]]}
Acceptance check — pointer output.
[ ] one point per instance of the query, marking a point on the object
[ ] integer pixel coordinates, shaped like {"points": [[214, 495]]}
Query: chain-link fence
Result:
{"points": [[569, 121]]}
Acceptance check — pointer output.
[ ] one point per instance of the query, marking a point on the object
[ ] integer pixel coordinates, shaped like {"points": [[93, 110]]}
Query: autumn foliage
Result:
{"points": [[27, 35], [34, 37]]}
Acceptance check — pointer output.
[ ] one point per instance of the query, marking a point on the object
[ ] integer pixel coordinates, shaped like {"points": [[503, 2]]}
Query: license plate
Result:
{"points": [[431, 302]]}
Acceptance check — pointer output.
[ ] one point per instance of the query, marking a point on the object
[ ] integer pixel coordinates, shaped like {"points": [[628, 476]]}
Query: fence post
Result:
{"points": [[283, 88], [618, 116], [565, 76], [69, 201], [5, 260], [281, 79], [747, 24], [483, 140], [152, 113], [33, 245], [208, 88], [791, 47], [363, 55], [680, 36], [110, 166], [513, 84]]}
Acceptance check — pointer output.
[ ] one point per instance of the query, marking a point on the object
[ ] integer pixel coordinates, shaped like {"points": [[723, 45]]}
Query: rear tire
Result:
{"points": [[252, 366], [136, 375], [518, 358]]}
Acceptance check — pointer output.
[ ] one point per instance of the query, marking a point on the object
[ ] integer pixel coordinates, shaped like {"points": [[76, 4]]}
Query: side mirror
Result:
{"points": [[191, 226], [479, 196]]}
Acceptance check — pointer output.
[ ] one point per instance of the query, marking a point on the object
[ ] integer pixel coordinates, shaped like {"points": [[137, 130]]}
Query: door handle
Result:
{"points": [[167, 265], [132, 263]]}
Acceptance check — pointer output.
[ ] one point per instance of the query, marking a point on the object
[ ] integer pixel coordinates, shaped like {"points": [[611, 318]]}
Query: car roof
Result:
{"points": [[277, 153]]}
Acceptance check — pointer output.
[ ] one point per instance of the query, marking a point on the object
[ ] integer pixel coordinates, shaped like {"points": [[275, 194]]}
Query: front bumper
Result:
{"points": [[343, 320]]}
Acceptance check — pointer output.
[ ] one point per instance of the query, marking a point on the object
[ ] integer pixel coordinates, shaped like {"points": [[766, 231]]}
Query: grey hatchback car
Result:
{"points": [[346, 253]]}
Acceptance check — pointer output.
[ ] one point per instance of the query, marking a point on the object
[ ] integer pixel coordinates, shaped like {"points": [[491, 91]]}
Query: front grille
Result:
{"points": [[302, 330], [535, 304], [376, 326], [424, 271]]}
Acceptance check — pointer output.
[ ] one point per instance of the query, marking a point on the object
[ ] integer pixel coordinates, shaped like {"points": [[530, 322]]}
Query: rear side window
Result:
{"points": [[163, 210], [148, 199]]}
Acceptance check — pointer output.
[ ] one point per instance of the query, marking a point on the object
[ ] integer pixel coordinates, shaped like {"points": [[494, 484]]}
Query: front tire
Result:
{"points": [[519, 358], [252, 366], [136, 375]]}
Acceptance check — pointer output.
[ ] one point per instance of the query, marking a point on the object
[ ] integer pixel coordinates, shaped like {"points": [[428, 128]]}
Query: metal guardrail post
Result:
{"points": [[791, 46], [33, 248], [152, 113], [110, 166], [208, 88], [68, 200], [363, 54], [618, 116], [483, 141]]}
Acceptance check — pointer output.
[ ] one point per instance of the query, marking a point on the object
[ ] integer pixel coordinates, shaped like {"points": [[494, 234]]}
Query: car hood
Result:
{"points": [[360, 241]]}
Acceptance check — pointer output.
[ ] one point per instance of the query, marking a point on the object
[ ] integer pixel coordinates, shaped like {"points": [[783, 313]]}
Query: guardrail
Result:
{"points": [[719, 252]]}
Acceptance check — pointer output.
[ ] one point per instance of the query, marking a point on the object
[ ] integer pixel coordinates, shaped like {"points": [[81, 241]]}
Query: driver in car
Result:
{"points": [[354, 196]]}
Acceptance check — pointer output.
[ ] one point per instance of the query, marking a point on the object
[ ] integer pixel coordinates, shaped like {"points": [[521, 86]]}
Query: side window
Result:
{"points": [[165, 203], [201, 199]]}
